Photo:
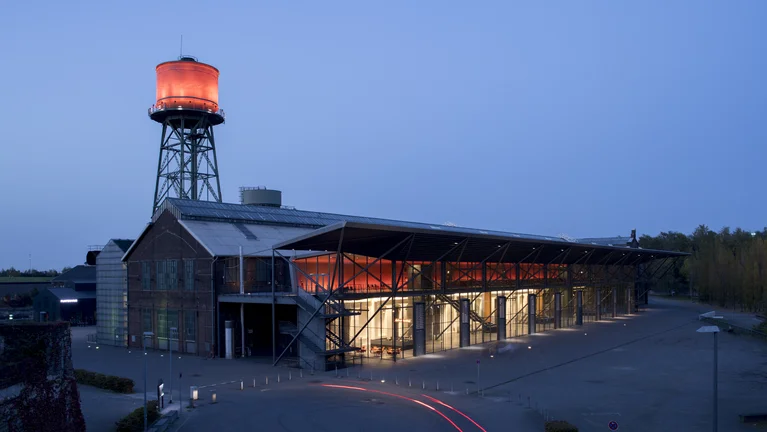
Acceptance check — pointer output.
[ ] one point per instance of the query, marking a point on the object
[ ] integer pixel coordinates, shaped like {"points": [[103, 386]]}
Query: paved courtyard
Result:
{"points": [[648, 372]]}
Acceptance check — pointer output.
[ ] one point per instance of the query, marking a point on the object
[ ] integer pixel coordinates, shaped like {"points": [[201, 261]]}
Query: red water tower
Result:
{"points": [[187, 107]]}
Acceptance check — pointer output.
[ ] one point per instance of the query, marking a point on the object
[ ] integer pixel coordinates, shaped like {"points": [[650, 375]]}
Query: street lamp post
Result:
{"points": [[171, 331], [146, 335], [714, 330]]}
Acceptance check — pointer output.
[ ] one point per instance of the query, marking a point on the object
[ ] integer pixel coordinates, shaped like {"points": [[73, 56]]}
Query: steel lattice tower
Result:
{"points": [[187, 107]]}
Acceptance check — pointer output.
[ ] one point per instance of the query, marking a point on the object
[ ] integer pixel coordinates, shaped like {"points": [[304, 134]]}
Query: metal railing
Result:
{"points": [[168, 107]]}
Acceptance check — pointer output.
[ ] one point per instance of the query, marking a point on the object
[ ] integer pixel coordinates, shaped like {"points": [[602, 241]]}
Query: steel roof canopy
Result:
{"points": [[428, 245]]}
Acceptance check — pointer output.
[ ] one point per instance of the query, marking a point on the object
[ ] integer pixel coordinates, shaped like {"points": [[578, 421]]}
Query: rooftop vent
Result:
{"points": [[260, 196]]}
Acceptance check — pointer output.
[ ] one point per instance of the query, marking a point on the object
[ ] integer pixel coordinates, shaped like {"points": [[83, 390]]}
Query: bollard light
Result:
{"points": [[242, 385], [212, 396], [193, 392]]}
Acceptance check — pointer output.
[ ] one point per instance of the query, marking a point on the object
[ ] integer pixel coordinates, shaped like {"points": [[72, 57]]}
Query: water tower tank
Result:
{"points": [[260, 196], [186, 84]]}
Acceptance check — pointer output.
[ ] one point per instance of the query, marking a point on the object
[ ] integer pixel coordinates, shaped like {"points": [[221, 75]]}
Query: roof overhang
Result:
{"points": [[418, 244]]}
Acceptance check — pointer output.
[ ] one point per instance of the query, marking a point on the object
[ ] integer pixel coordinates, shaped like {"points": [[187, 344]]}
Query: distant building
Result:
{"points": [[70, 297], [10, 286], [66, 304], [112, 294], [78, 278]]}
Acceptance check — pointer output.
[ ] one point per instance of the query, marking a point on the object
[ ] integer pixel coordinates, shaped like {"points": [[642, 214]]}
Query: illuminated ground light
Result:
{"points": [[425, 405]]}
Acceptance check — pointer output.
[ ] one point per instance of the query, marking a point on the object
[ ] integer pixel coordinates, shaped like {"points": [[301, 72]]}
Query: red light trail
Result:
{"points": [[401, 397]]}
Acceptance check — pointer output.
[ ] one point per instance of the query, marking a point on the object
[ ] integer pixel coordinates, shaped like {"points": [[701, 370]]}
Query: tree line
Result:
{"points": [[727, 268], [12, 272]]}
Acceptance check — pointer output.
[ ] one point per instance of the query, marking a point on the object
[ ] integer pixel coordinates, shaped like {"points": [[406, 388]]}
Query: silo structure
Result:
{"points": [[187, 107]]}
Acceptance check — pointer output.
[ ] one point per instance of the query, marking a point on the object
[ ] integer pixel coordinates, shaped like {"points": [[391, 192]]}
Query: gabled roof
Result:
{"points": [[185, 209], [225, 239], [222, 228], [78, 274], [69, 293], [123, 244]]}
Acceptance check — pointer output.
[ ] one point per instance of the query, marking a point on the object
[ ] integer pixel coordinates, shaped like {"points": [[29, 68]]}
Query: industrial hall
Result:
{"points": [[322, 290]]}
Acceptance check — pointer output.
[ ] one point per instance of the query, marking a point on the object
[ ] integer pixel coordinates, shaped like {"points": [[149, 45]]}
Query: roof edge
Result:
{"points": [[326, 229], [135, 242], [195, 237]]}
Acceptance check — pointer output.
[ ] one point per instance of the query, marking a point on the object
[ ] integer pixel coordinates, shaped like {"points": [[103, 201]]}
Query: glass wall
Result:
{"points": [[111, 297], [360, 274]]}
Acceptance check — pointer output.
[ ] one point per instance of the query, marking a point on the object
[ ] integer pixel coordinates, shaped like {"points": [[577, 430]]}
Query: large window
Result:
{"points": [[161, 275], [189, 275], [167, 275], [146, 320], [263, 271], [172, 322], [146, 276], [172, 268], [232, 270], [166, 319], [190, 325]]}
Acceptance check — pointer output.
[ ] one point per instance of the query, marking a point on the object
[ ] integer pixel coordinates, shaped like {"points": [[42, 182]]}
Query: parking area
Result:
{"points": [[645, 372]]}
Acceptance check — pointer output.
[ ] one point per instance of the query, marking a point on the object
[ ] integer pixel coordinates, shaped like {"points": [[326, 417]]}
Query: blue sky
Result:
{"points": [[587, 118]]}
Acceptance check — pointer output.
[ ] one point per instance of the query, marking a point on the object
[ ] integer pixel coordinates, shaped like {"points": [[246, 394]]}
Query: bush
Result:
{"points": [[560, 426], [106, 382], [761, 327], [134, 422]]}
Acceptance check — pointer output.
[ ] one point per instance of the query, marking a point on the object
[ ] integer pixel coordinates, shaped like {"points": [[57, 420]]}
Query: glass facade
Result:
{"points": [[380, 325], [111, 297]]}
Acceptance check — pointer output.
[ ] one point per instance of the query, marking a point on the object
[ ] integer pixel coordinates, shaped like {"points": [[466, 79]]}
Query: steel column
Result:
{"points": [[579, 307], [598, 304], [500, 313], [531, 298]]}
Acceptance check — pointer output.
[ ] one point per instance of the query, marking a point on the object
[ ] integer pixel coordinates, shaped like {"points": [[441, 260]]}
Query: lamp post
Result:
{"points": [[171, 332], [714, 330], [146, 335]]}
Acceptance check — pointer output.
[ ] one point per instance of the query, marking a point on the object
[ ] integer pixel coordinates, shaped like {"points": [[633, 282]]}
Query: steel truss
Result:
{"points": [[496, 276], [187, 166]]}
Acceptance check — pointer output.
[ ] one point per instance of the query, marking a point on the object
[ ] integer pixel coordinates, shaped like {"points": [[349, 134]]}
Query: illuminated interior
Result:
{"points": [[382, 326]]}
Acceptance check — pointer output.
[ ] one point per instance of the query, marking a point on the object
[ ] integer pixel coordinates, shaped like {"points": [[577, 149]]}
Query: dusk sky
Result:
{"points": [[585, 118]]}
